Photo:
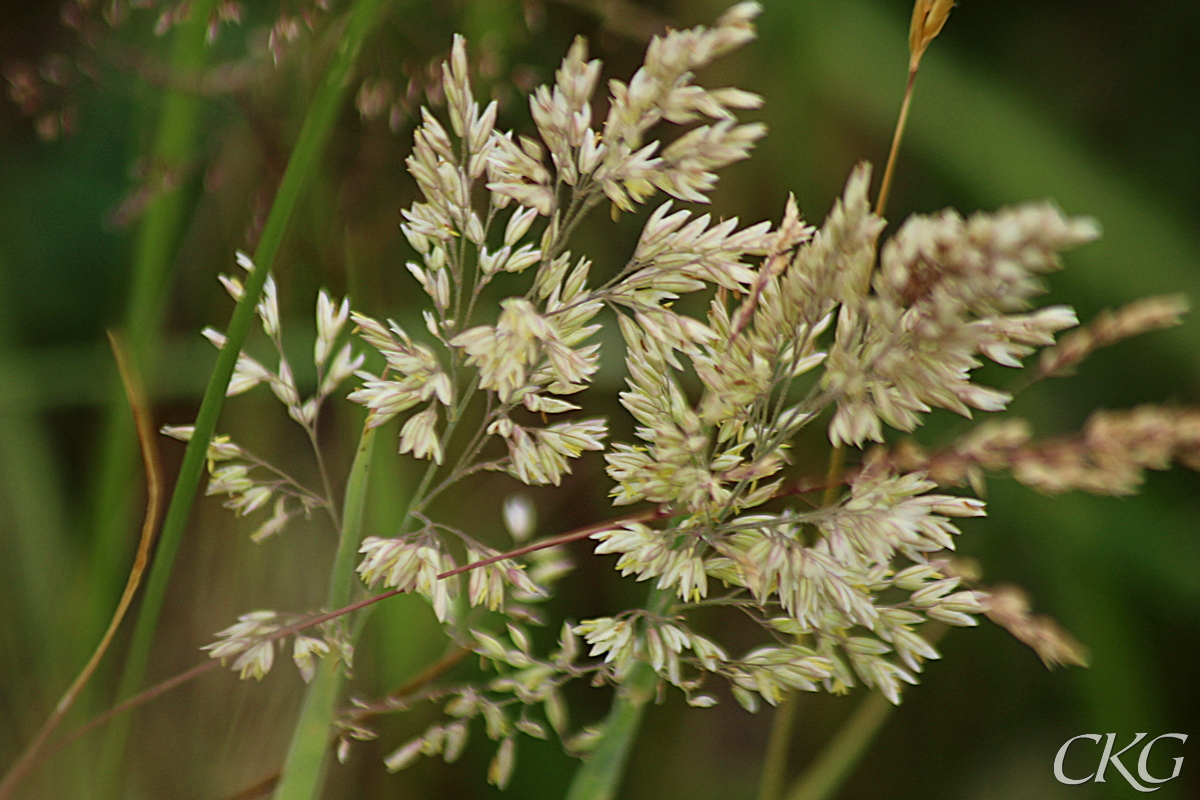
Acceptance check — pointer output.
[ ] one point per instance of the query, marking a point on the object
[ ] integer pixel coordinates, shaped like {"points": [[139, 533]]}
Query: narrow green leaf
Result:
{"points": [[310, 144], [304, 769], [599, 777]]}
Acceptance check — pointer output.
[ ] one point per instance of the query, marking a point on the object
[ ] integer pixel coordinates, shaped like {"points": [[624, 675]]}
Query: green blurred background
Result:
{"points": [[1094, 104]]}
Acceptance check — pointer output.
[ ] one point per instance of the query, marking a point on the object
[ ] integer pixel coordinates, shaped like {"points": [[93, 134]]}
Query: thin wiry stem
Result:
{"points": [[159, 689], [478, 279], [310, 430], [423, 678], [320, 619], [456, 270], [422, 496], [813, 403], [462, 467], [326, 483], [735, 598], [406, 693], [459, 473], [298, 489], [885, 185], [554, 541], [778, 743], [140, 699]]}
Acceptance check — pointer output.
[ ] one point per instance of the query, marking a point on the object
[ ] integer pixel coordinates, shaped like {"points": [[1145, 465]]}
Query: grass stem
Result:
{"points": [[146, 436], [154, 249], [835, 763], [774, 773], [885, 185], [599, 777], [310, 144], [304, 768]]}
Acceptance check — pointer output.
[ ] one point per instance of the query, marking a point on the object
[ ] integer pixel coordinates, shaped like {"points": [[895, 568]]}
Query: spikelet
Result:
{"points": [[929, 16]]}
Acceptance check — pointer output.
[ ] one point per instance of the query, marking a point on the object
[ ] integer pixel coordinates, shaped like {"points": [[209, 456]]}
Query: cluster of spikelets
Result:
{"points": [[801, 321]]}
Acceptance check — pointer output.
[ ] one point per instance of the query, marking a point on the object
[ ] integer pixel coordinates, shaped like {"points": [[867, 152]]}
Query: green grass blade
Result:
{"points": [[310, 144], [304, 768], [599, 777], [154, 250], [837, 761]]}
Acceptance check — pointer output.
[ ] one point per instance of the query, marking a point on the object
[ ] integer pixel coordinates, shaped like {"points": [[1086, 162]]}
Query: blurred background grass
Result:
{"points": [[1076, 101]]}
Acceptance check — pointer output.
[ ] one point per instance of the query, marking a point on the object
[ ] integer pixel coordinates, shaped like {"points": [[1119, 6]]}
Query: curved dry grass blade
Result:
{"points": [[146, 433]]}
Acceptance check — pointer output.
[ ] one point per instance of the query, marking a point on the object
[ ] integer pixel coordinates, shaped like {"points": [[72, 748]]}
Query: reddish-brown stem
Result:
{"points": [[412, 685], [130, 704], [155, 691], [886, 185], [572, 536], [361, 713]]}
